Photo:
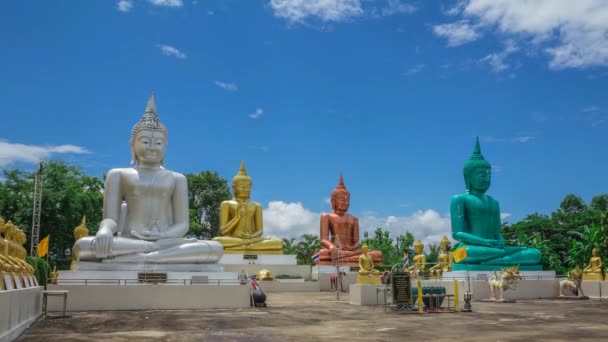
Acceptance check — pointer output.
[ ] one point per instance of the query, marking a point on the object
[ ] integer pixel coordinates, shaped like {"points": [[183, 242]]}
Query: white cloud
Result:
{"points": [[283, 219], [397, 7], [262, 148], [454, 10], [414, 70], [427, 225], [169, 50], [497, 60], [258, 112], [517, 139], [12, 153], [167, 3], [124, 5], [457, 33], [227, 86], [505, 215], [327, 11], [590, 109], [573, 34]]}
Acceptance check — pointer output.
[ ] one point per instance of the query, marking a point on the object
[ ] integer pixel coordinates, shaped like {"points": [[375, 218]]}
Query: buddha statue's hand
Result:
{"points": [[147, 234], [103, 242]]}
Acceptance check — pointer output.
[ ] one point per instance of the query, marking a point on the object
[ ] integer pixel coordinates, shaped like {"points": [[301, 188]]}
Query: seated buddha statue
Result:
{"points": [[79, 232], [594, 270], [151, 225], [367, 273], [444, 261], [418, 261], [475, 219], [340, 232], [241, 224]]}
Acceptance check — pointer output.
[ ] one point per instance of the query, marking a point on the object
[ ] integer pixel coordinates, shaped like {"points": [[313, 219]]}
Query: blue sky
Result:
{"points": [[390, 93]]}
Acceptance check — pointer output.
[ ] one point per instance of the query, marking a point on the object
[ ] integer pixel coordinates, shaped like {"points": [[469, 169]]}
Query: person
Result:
{"points": [[340, 232], [475, 219], [151, 224], [241, 224]]}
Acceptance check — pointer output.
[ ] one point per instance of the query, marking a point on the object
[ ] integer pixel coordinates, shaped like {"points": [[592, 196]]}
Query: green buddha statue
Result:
{"points": [[476, 225], [241, 221]]}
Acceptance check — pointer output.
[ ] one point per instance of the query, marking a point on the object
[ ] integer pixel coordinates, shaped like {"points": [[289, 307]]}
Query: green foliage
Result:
{"points": [[289, 246], [206, 191], [381, 241], [308, 245], [42, 269], [433, 255], [67, 195]]}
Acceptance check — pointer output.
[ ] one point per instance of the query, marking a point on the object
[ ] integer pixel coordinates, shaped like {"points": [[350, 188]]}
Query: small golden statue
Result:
{"points": [[419, 260], [444, 260], [241, 224], [367, 273], [264, 275], [79, 232], [53, 276], [594, 270]]}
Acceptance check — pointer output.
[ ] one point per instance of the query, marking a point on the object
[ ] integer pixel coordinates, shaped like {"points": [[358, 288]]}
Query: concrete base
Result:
{"points": [[485, 275], [364, 294], [262, 259], [285, 285], [474, 267], [130, 277], [303, 271], [595, 289], [151, 297], [102, 266], [18, 310]]}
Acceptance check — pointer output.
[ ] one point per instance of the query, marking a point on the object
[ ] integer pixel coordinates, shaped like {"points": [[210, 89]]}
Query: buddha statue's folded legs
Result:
{"points": [[510, 255], [261, 245], [165, 251], [348, 256]]}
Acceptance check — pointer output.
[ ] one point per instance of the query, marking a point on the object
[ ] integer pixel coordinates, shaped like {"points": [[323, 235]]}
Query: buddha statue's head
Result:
{"points": [[445, 244], [595, 252], [418, 247], [340, 198], [241, 183], [477, 171], [20, 237], [364, 248], [9, 230], [82, 230], [2, 229], [148, 138]]}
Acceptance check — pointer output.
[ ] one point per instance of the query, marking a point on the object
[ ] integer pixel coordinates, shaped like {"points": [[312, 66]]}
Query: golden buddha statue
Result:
{"points": [[594, 270], [53, 275], [264, 275], [339, 233], [79, 232], [241, 224], [367, 273], [419, 260], [444, 260]]}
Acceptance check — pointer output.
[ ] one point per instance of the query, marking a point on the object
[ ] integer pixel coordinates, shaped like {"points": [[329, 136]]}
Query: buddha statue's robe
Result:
{"points": [[594, 270]]}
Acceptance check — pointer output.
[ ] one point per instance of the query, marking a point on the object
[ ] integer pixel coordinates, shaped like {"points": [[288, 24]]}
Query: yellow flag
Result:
{"points": [[460, 254], [43, 246]]}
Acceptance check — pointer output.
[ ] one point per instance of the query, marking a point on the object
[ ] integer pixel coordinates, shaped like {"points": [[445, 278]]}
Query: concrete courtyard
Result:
{"points": [[318, 316]]}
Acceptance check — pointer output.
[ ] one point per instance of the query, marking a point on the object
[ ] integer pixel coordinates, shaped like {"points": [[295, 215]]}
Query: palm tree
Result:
{"points": [[288, 246], [583, 244]]}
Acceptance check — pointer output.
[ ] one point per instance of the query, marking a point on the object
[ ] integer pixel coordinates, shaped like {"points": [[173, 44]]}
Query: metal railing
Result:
{"points": [[211, 282]]}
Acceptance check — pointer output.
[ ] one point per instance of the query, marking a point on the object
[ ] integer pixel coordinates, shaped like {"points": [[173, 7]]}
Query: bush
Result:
{"points": [[42, 269]]}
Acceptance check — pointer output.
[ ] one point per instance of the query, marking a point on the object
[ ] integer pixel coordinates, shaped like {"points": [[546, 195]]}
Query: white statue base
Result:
{"points": [[20, 308], [258, 259], [106, 266]]}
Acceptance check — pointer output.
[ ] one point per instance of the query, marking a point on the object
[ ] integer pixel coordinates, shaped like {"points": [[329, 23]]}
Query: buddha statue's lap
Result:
{"points": [[154, 219], [476, 223], [340, 232], [241, 223]]}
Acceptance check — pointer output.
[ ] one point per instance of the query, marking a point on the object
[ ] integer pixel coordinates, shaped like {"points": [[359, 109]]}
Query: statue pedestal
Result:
{"points": [[20, 308], [474, 267], [365, 294], [369, 280], [105, 266], [595, 288], [258, 259], [593, 276]]}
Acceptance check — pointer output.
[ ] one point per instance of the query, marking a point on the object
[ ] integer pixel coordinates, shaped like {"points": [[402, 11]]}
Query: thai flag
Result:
{"points": [[406, 261], [316, 257]]}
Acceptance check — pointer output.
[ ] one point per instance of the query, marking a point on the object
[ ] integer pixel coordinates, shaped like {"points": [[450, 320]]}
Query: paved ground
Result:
{"points": [[319, 317]]}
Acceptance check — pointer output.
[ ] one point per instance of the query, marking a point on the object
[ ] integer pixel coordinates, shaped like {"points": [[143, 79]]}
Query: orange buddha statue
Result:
{"points": [[340, 233]]}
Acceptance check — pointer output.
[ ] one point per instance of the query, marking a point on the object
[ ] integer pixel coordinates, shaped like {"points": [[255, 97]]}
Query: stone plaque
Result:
{"points": [[402, 288], [151, 277], [250, 256], [354, 268], [8, 281]]}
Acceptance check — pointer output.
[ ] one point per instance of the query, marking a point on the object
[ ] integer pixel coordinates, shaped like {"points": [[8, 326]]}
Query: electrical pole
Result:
{"points": [[36, 212]]}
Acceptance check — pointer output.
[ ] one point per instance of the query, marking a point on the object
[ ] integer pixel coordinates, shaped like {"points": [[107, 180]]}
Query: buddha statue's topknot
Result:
{"points": [[476, 160], [149, 121], [241, 175]]}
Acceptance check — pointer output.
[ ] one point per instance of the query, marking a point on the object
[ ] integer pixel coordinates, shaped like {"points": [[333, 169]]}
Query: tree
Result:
{"points": [[572, 204], [433, 255], [308, 245], [599, 202], [382, 242], [67, 195], [582, 245], [288, 246], [206, 191]]}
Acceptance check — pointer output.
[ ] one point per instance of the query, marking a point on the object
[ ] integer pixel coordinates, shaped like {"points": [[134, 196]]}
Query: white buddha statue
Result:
{"points": [[151, 223]]}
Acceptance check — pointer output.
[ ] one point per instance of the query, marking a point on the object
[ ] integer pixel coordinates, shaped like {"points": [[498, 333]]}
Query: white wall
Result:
{"points": [[18, 310]]}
